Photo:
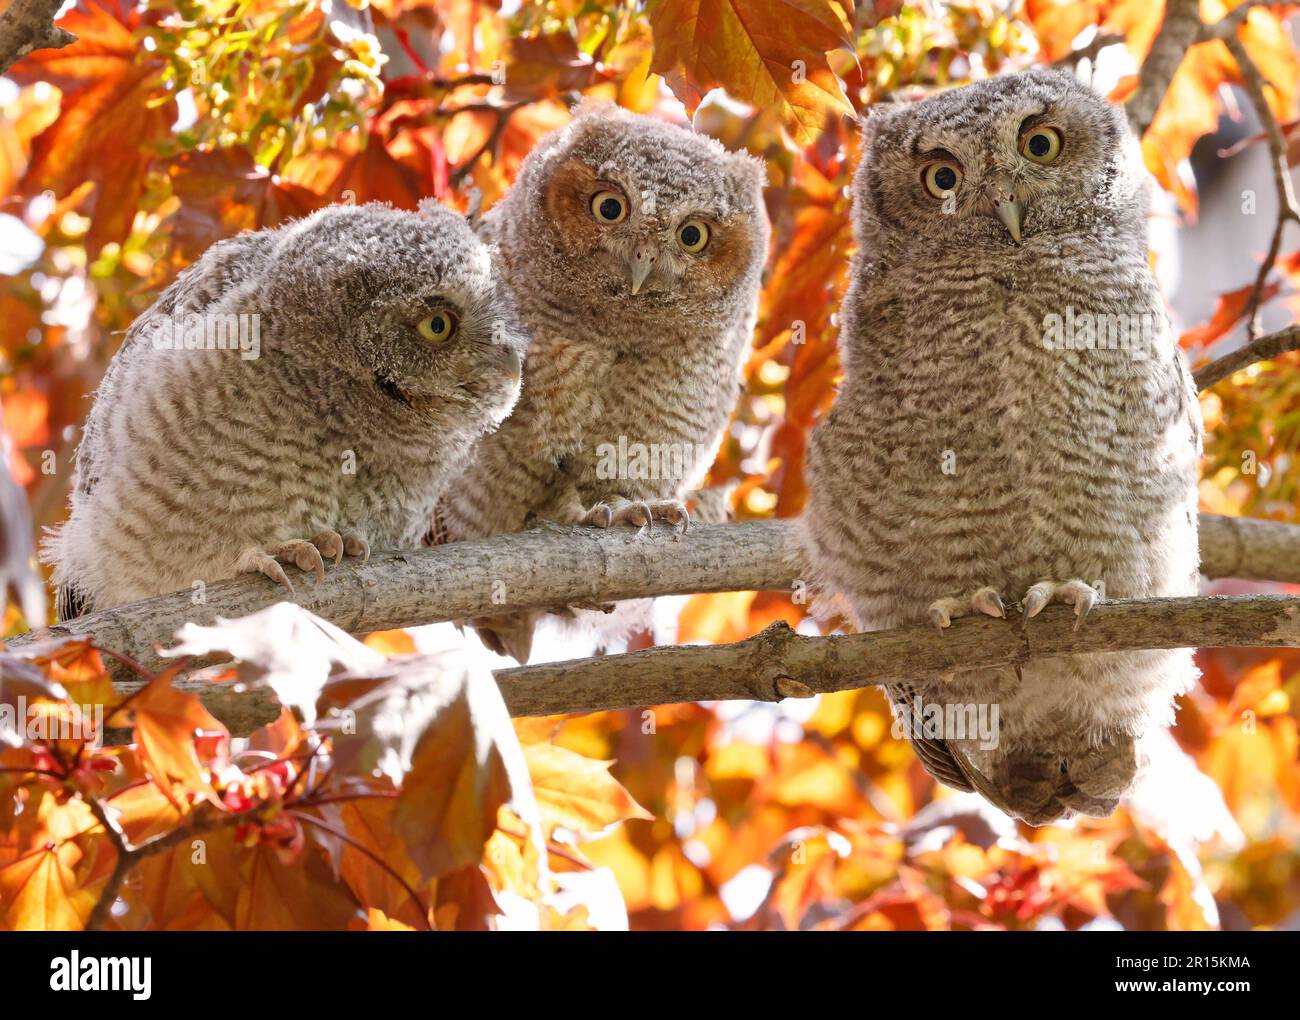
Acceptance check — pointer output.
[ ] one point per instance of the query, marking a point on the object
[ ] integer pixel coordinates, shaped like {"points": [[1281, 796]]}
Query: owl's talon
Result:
{"points": [[269, 566], [986, 600], [329, 543], [600, 515], [303, 555], [355, 545], [989, 602], [1071, 593]]}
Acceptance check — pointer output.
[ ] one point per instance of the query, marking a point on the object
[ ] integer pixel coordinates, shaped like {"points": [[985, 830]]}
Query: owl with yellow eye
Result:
{"points": [[297, 395], [1015, 426], [634, 249]]}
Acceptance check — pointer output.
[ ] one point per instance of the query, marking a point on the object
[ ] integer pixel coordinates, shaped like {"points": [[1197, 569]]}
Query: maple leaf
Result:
{"points": [[223, 192], [1229, 309], [575, 792], [361, 168], [274, 896], [464, 761], [767, 53], [110, 117], [283, 647], [39, 892], [166, 723]]}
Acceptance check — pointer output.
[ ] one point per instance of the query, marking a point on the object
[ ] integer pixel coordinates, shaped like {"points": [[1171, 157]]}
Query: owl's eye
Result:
{"points": [[437, 328], [609, 207], [1042, 144], [693, 236], [942, 178]]}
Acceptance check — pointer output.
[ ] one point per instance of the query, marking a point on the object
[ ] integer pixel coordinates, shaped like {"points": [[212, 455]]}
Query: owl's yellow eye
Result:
{"points": [[609, 207], [693, 236], [437, 328], [942, 178], [1042, 144]]}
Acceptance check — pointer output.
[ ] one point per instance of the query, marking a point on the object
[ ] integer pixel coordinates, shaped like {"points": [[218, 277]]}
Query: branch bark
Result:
{"points": [[1179, 31], [553, 566], [28, 25], [778, 663], [1265, 348]]}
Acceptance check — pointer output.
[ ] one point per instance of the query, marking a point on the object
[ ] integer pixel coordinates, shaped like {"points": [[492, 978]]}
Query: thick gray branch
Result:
{"points": [[28, 25], [553, 566], [779, 663], [1179, 31]]}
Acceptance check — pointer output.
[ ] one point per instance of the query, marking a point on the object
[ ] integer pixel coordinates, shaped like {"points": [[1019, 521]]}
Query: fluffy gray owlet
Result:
{"points": [[973, 459], [385, 347], [634, 249]]}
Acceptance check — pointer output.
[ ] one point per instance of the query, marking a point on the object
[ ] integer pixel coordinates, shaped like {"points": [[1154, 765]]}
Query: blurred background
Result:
{"points": [[169, 126]]}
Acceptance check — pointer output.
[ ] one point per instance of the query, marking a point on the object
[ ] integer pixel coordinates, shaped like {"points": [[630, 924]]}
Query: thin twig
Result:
{"points": [[1266, 348], [1287, 210]]}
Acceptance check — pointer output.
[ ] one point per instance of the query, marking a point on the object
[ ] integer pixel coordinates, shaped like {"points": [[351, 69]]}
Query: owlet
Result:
{"points": [[1015, 424], [634, 249], [297, 394]]}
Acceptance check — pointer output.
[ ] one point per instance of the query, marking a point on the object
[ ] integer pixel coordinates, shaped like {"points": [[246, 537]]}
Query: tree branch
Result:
{"points": [[1265, 348], [28, 25], [552, 567], [1179, 31], [1287, 211], [778, 663]]}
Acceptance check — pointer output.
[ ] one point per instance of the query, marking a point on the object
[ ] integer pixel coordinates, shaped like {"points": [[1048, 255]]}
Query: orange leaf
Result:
{"points": [[577, 792], [767, 53], [108, 122], [166, 722]]}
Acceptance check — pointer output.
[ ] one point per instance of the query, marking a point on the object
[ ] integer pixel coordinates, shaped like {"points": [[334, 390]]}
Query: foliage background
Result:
{"points": [[168, 126]]}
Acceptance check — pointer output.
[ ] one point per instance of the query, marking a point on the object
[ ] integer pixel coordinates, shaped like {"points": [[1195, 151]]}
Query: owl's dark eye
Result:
{"points": [[437, 328], [942, 179], [1042, 144], [693, 236], [609, 207]]}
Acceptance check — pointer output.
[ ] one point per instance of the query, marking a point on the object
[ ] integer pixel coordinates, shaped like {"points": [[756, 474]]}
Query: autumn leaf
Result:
{"points": [[39, 892], [274, 896], [223, 192], [464, 767], [575, 792], [1229, 309], [360, 168], [166, 723], [110, 119], [767, 53], [283, 647]]}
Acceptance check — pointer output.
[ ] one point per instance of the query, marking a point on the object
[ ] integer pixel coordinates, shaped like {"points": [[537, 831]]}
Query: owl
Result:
{"points": [[634, 249], [1015, 425], [297, 394]]}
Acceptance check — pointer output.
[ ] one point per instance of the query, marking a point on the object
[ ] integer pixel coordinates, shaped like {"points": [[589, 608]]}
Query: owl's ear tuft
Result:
{"points": [[747, 170], [601, 109]]}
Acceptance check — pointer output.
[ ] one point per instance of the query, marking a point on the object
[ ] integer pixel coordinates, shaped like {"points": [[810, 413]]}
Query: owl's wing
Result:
{"points": [[227, 265], [934, 754]]}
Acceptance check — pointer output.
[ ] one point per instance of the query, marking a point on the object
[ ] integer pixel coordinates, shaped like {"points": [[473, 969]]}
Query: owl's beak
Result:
{"points": [[641, 262], [1010, 212], [514, 367]]}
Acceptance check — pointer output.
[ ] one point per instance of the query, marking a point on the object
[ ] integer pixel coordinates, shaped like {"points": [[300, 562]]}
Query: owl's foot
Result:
{"points": [[1072, 593], [640, 514], [986, 600], [306, 555]]}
